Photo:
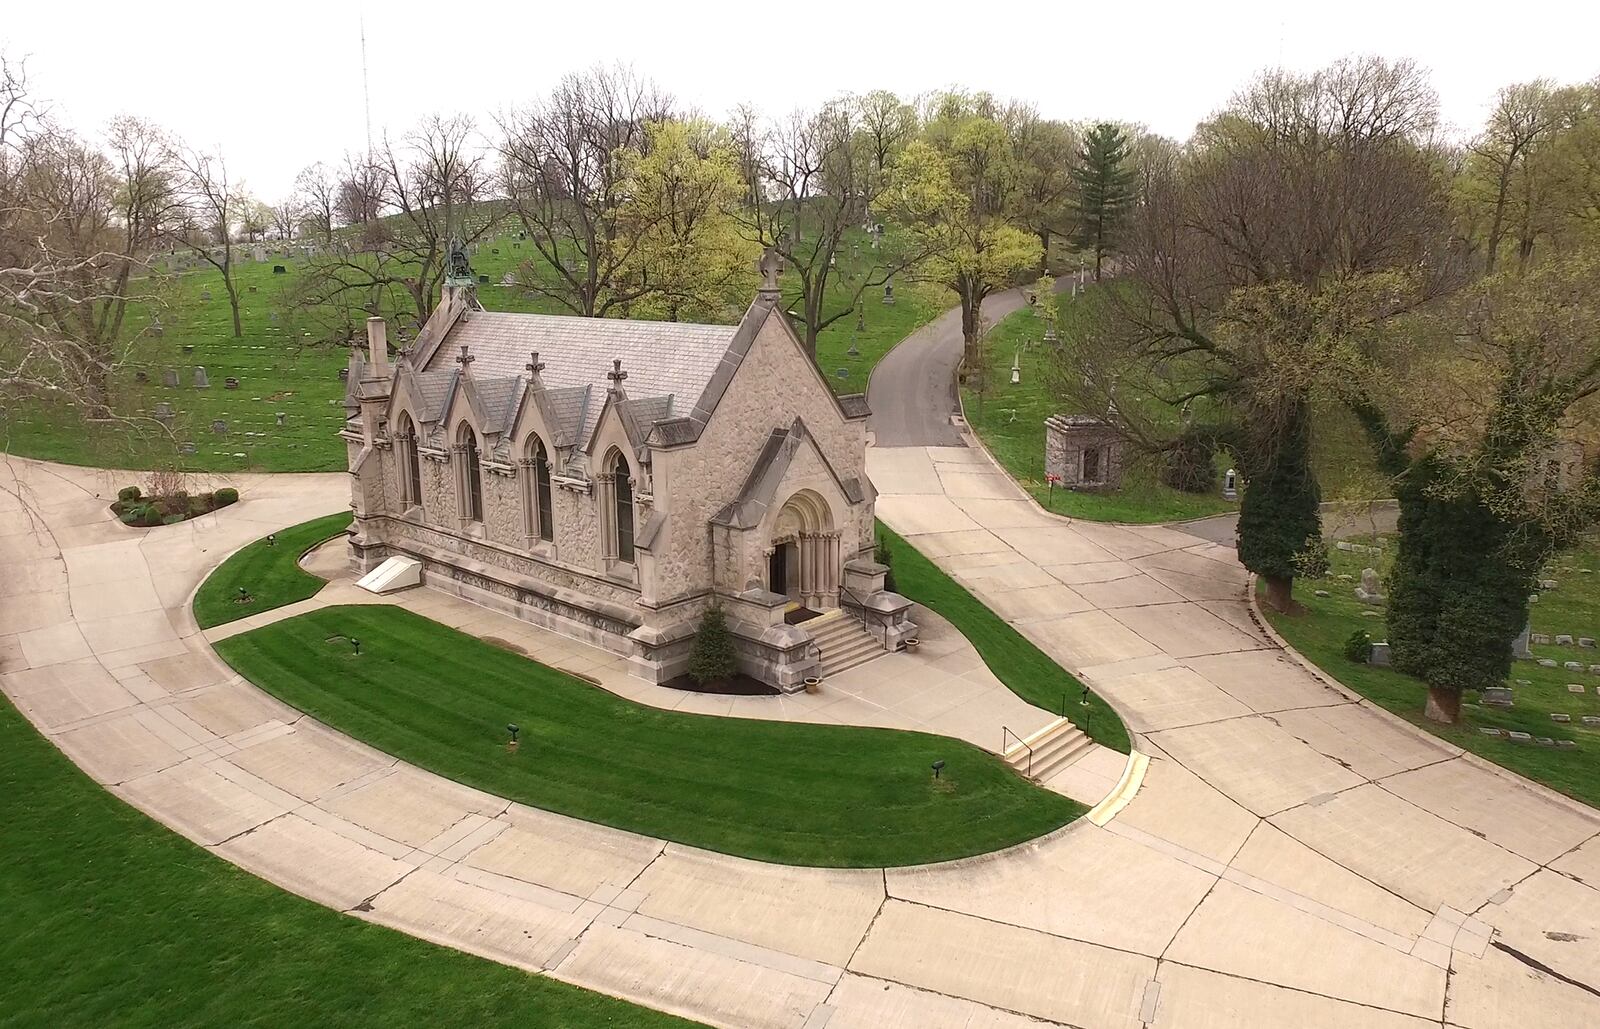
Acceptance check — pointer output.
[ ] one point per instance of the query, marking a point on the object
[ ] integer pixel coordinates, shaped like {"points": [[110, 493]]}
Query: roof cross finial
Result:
{"points": [[616, 374], [534, 366], [769, 266], [466, 359]]}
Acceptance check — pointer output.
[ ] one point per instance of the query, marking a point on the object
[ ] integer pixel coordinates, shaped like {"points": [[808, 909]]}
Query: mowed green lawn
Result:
{"points": [[269, 572], [1026, 670], [108, 919], [775, 791], [1573, 608], [283, 363]]}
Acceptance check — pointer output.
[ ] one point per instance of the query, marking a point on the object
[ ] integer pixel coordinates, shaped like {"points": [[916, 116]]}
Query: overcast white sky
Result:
{"points": [[276, 84]]}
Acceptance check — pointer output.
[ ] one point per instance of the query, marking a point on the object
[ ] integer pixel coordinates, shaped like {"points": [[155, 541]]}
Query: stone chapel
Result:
{"points": [[611, 479]]}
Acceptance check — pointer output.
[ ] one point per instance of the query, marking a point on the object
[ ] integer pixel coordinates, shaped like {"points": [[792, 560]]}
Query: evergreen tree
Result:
{"points": [[885, 557], [1103, 189], [712, 658], [1458, 592], [1278, 517]]}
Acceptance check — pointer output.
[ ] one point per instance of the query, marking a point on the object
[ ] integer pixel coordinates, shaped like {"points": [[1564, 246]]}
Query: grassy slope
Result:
{"points": [[1574, 607], [1010, 421], [1025, 669], [279, 368], [110, 919], [797, 794], [271, 574]]}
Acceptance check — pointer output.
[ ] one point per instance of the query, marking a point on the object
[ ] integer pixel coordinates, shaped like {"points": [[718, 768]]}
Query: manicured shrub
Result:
{"points": [[225, 496], [1358, 647], [884, 556], [130, 517], [128, 494], [173, 519], [712, 659]]}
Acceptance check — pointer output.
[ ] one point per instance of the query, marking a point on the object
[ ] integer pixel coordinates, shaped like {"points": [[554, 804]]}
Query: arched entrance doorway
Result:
{"points": [[803, 559]]}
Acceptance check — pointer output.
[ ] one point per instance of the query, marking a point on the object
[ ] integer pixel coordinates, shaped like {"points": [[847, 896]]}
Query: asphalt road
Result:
{"points": [[912, 392]]}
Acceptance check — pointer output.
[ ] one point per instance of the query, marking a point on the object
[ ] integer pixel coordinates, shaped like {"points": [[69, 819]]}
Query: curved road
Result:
{"points": [[912, 392]]}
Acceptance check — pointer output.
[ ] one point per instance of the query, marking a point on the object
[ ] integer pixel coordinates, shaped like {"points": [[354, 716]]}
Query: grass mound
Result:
{"points": [[269, 573], [817, 795]]}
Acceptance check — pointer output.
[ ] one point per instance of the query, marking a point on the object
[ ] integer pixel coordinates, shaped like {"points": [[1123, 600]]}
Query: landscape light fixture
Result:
{"points": [[356, 644], [1085, 700], [512, 728], [272, 539], [938, 766]]}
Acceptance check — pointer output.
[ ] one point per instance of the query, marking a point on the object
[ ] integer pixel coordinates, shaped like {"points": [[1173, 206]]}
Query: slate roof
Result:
{"points": [[663, 360]]}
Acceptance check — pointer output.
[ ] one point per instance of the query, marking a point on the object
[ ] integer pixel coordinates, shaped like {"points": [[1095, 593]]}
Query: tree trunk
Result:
{"points": [[99, 389], [1280, 593], [233, 302], [1444, 705], [1496, 223], [1044, 251]]}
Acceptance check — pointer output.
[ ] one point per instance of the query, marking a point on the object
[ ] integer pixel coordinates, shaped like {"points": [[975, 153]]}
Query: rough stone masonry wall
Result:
{"points": [[775, 382], [1064, 445]]}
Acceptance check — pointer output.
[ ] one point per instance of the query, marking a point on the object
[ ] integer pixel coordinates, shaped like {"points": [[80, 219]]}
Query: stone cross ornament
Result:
{"points": [[769, 266]]}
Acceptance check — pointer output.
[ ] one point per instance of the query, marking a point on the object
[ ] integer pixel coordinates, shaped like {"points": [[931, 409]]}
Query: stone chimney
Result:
{"points": [[377, 347]]}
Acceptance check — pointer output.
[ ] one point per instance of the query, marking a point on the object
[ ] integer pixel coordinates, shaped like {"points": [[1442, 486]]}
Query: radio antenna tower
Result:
{"points": [[366, 89]]}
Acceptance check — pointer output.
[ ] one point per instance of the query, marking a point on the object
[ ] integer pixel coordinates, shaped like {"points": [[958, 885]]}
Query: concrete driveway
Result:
{"points": [[1294, 858]]}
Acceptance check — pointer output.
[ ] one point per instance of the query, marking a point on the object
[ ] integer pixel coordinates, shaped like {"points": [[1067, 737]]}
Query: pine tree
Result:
{"points": [[1103, 189], [713, 658]]}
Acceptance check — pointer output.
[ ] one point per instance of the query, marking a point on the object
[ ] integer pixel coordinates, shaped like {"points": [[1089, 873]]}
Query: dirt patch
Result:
{"points": [[740, 685], [495, 641]]}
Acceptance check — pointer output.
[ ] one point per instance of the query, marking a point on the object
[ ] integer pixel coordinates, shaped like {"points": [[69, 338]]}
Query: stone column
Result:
{"points": [[606, 500]]}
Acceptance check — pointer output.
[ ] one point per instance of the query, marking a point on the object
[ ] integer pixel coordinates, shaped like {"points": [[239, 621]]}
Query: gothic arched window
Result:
{"points": [[622, 488], [541, 518], [471, 476]]}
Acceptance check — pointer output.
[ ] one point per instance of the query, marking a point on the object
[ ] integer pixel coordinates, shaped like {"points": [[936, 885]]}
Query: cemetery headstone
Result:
{"points": [[1547, 584], [1586, 641], [1573, 666], [1369, 592], [200, 379], [888, 293], [164, 414], [1230, 485], [1591, 720], [1519, 646], [1560, 716], [1379, 657], [281, 416], [279, 269], [205, 294], [141, 377], [219, 427], [187, 448], [1540, 638], [1576, 687], [169, 377], [1497, 696], [483, 280], [252, 289], [1546, 662], [230, 383], [1520, 737]]}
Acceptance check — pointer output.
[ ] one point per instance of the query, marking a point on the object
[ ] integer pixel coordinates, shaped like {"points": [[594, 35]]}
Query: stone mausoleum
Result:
{"points": [[611, 480], [1083, 452]]}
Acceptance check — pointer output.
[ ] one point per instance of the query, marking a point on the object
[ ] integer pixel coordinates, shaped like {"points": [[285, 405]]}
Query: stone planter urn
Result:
{"points": [[813, 684]]}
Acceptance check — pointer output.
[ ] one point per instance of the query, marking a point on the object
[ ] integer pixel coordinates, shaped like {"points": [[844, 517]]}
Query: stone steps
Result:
{"points": [[1054, 747], [842, 641]]}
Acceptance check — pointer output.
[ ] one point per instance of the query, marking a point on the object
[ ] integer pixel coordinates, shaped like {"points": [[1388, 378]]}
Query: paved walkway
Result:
{"points": [[1293, 858]]}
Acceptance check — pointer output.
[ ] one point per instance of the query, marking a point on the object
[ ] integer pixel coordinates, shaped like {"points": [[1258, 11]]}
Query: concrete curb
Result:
{"points": [[1510, 777], [1123, 793]]}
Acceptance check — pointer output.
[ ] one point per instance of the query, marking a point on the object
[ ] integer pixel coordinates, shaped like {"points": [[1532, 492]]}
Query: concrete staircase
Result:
{"points": [[1055, 747], [842, 640]]}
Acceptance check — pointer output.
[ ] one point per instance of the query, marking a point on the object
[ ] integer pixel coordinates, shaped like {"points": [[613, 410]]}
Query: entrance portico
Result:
{"points": [[804, 561]]}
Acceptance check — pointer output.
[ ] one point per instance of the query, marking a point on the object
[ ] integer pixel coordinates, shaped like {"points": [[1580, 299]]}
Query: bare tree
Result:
{"points": [[813, 176], [562, 173], [429, 188], [213, 205], [76, 222], [317, 195], [287, 216], [360, 190], [1521, 117]]}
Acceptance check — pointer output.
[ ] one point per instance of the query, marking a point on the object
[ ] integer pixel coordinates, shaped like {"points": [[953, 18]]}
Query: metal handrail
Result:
{"points": [[1006, 731]]}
